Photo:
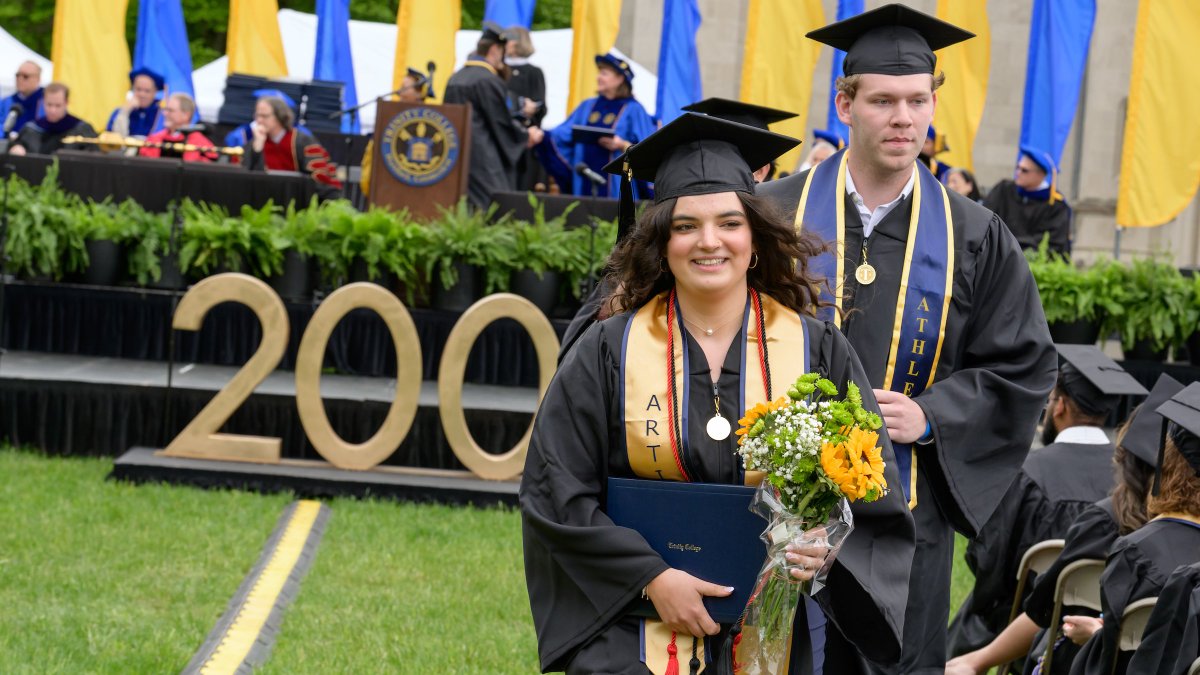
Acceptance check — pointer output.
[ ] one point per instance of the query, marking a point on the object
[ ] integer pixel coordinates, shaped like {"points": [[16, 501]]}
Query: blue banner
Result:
{"points": [[162, 44], [846, 9], [506, 13], [1059, 36], [333, 61], [678, 63]]}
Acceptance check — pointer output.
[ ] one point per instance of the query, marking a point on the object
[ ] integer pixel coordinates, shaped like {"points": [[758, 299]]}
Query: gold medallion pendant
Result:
{"points": [[865, 274]]}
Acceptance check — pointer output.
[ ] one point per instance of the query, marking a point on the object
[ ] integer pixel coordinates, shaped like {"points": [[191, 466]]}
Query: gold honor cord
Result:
{"points": [[111, 141]]}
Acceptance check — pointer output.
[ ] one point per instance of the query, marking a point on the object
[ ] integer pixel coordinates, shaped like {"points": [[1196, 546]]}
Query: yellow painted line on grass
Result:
{"points": [[243, 632]]}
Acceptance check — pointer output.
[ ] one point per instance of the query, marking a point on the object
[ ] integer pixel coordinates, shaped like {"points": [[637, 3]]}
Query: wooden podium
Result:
{"points": [[421, 156]]}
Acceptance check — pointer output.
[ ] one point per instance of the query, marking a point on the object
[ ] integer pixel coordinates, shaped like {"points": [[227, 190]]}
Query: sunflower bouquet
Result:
{"points": [[819, 453]]}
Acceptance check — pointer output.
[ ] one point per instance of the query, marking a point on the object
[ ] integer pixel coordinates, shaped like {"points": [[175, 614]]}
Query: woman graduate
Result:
{"points": [[599, 130], [1138, 564], [695, 335]]}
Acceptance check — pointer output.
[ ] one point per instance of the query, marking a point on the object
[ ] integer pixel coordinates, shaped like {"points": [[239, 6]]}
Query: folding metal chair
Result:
{"points": [[1036, 560], [1078, 586], [1133, 625], [1195, 669]]}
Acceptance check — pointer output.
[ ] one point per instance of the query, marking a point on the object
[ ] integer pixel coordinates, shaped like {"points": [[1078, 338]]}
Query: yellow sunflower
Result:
{"points": [[856, 465], [753, 414]]}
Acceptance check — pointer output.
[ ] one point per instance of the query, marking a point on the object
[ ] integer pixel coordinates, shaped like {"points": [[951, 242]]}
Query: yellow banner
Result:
{"points": [[966, 64], [595, 24], [778, 62], [1160, 159], [91, 56], [253, 43], [425, 31]]}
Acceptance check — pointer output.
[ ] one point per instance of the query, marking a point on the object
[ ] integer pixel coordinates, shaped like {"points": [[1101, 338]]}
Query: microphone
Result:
{"points": [[10, 120], [584, 170]]}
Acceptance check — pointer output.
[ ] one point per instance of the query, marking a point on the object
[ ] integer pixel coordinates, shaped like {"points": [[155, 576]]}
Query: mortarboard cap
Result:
{"points": [[695, 155], [423, 84], [276, 93], [743, 113], [493, 32], [830, 137], [1143, 438], [1040, 157], [618, 64], [890, 40], [159, 82], [1184, 410], [1093, 381]]}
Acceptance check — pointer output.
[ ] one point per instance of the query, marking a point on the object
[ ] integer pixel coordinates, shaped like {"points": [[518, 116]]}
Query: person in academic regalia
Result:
{"points": [[698, 268], [581, 138], [935, 144], [1171, 641], [416, 87], [757, 116], [279, 146], [45, 135], [1090, 536], [28, 96], [1031, 204], [177, 113], [950, 331], [825, 143], [1139, 563], [963, 182], [527, 96], [1056, 483], [141, 115], [497, 138]]}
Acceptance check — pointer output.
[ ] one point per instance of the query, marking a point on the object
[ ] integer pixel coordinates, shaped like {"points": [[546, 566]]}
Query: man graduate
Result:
{"points": [[1055, 485], [947, 319], [497, 138], [1030, 203]]}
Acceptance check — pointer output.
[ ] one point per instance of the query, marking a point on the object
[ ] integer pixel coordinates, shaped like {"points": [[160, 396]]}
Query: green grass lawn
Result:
{"points": [[99, 576]]}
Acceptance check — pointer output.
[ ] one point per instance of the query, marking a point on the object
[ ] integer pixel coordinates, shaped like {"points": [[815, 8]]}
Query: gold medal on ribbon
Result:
{"points": [[865, 274]]}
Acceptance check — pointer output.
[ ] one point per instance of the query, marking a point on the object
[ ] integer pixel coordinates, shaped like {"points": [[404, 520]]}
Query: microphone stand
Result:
{"points": [[172, 252], [6, 172]]}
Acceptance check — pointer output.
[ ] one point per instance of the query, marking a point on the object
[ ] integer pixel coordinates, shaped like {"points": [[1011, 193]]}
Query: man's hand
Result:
{"points": [[678, 598], [259, 134], [905, 420], [535, 136], [614, 144], [529, 108], [18, 150], [1079, 629]]}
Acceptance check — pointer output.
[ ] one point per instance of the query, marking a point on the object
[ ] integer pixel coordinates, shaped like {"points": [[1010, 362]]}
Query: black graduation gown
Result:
{"points": [[583, 572], [1137, 568], [497, 139], [530, 82], [310, 156], [997, 366], [1171, 641], [1090, 537], [47, 140], [1030, 219], [1055, 485]]}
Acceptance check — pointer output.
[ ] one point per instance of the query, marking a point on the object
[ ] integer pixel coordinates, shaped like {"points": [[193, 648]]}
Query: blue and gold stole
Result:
{"points": [[926, 283], [647, 379]]}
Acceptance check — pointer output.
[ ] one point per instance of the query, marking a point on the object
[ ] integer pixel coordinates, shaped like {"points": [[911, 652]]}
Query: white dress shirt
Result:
{"points": [[872, 218]]}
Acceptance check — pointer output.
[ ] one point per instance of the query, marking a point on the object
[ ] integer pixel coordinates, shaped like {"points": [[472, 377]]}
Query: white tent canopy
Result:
{"points": [[13, 52], [373, 47]]}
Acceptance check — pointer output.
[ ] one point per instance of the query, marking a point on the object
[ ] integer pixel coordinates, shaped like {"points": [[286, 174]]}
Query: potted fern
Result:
{"points": [[1156, 295], [1073, 307], [466, 256], [541, 251]]}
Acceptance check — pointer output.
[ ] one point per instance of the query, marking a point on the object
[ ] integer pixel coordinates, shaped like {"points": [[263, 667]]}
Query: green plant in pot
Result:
{"points": [[407, 248], [215, 242], [104, 233], [43, 240], [588, 251], [541, 252], [1156, 295], [1069, 296], [363, 240], [1189, 321], [462, 246]]}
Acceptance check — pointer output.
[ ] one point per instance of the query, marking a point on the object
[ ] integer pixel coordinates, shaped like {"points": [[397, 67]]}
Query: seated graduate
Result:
{"points": [[1090, 537], [1171, 641], [757, 116], [141, 114], [1055, 484], [1139, 563], [693, 280], [177, 114], [1031, 205], [278, 146], [45, 135], [614, 109]]}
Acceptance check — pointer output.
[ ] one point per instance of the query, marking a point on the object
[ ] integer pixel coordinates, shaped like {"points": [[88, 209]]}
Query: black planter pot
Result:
{"points": [[295, 283], [359, 272], [1193, 347], [461, 295], [1078, 332], [105, 263], [1143, 350], [542, 292], [171, 278]]}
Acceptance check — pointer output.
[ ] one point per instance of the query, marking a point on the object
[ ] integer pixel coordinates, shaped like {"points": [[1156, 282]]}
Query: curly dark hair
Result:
{"points": [[1180, 489], [636, 271], [1133, 479]]}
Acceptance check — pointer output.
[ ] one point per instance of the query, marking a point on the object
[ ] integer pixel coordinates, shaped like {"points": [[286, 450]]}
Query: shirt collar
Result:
{"points": [[1085, 435], [908, 188], [279, 136]]}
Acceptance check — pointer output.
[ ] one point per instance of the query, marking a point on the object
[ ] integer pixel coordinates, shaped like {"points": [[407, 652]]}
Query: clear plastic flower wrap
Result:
{"points": [[767, 621]]}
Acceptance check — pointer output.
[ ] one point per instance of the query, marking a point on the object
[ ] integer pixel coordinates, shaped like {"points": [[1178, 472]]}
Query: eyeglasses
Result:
{"points": [[26, 75], [1024, 169]]}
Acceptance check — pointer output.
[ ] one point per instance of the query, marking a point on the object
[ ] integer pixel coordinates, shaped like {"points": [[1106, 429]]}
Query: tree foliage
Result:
{"points": [[32, 21]]}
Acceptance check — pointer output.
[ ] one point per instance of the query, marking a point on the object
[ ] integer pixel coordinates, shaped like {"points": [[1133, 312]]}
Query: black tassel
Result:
{"points": [[626, 216], [1162, 451]]}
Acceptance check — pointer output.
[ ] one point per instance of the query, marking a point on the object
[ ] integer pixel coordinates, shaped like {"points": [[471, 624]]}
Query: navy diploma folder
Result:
{"points": [[704, 529], [581, 133]]}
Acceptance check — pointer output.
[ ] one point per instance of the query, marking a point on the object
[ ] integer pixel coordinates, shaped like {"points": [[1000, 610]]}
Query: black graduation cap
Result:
{"points": [[423, 84], [1093, 381], [890, 40], [493, 32], [743, 113], [159, 82], [1184, 410], [695, 155], [1143, 437]]}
